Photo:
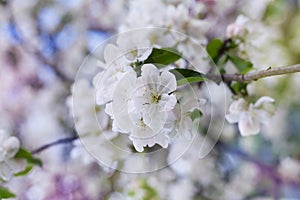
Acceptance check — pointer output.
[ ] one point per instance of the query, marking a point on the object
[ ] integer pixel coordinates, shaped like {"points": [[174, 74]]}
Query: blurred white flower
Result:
{"points": [[82, 106], [135, 45], [238, 28], [141, 16], [247, 173], [289, 168], [179, 19], [182, 189], [249, 117], [185, 153]]}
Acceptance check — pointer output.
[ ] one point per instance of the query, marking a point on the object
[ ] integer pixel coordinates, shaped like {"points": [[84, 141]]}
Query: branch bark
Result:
{"points": [[253, 76], [57, 142]]}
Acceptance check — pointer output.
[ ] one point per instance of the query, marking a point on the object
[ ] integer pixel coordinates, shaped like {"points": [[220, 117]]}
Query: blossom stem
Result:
{"points": [[253, 76], [57, 142]]}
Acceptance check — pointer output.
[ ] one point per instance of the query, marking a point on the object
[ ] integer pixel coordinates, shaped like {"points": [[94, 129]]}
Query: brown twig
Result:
{"points": [[57, 142], [253, 76]]}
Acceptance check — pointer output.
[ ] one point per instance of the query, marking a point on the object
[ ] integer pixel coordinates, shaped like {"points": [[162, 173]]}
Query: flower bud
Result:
{"points": [[235, 31], [11, 147]]}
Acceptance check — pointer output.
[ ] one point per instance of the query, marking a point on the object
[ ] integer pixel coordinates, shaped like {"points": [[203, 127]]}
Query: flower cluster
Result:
{"points": [[140, 98]]}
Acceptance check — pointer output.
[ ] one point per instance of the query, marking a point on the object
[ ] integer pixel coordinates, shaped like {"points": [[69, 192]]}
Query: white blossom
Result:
{"points": [[182, 189], [114, 66], [141, 106], [249, 117], [238, 28], [289, 168]]}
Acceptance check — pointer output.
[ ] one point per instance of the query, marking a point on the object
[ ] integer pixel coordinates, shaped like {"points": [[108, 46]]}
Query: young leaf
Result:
{"points": [[25, 171], [195, 114], [24, 154], [184, 76], [189, 80], [5, 193], [213, 48], [242, 65], [163, 57], [239, 88]]}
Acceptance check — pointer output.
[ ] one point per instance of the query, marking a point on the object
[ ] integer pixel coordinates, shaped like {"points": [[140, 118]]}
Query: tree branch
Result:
{"points": [[253, 76], [34, 51], [60, 141], [268, 170]]}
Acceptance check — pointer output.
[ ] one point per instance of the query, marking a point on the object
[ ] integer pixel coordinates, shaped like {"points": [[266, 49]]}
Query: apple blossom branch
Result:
{"points": [[253, 76]]}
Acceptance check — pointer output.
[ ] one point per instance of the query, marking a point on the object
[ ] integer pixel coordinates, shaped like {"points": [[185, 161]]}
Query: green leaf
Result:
{"points": [[242, 65], [195, 114], [163, 57], [24, 154], [25, 171], [240, 88], [5, 193], [231, 44], [189, 80], [213, 48], [184, 76]]}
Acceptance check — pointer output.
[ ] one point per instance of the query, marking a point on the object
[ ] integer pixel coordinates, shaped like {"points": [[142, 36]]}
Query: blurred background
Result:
{"points": [[44, 42]]}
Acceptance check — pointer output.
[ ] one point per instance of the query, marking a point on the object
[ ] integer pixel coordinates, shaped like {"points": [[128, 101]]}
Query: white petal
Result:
{"points": [[108, 109], [262, 100], [97, 79], [11, 145], [167, 102], [248, 125], [145, 54], [154, 119], [238, 106], [5, 172], [17, 165], [111, 52], [150, 74], [122, 121], [163, 143], [103, 90], [138, 145], [3, 135], [168, 82], [119, 108], [232, 117]]}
